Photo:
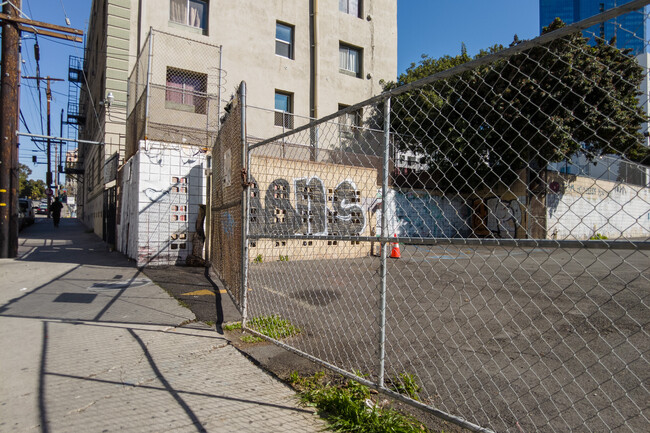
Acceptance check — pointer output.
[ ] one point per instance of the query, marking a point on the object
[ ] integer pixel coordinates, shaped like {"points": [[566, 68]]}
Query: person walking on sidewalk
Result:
{"points": [[55, 208]]}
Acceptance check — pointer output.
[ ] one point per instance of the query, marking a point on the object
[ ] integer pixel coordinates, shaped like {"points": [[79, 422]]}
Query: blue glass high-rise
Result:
{"points": [[629, 29]]}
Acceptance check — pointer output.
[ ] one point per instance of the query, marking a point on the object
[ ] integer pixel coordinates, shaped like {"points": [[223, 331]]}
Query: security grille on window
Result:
{"points": [[284, 40], [350, 60], [352, 7], [193, 13], [349, 122], [283, 110], [185, 90]]}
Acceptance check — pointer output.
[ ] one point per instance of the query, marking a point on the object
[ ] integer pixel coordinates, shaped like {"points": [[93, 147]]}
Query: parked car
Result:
{"points": [[25, 212], [42, 209]]}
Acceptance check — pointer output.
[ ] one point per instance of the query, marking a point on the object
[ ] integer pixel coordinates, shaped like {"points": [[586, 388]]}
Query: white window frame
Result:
{"points": [[186, 20], [344, 52], [282, 41], [284, 118], [347, 7]]}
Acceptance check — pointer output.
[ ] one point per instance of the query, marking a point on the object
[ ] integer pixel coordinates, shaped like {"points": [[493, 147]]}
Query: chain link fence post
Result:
{"points": [[383, 245]]}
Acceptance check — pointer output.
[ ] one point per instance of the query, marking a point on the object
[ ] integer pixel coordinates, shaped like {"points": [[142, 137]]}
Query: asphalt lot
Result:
{"points": [[508, 338]]}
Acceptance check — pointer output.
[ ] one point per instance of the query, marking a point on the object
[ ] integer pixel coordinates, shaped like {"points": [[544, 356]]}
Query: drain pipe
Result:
{"points": [[313, 94], [313, 112]]}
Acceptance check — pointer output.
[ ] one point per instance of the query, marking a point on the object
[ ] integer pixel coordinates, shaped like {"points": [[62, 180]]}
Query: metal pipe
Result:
{"points": [[146, 107], [219, 91], [383, 245], [244, 204], [523, 243], [76, 140]]}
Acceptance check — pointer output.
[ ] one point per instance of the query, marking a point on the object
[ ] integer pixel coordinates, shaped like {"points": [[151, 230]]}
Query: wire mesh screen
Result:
{"points": [[174, 91], [437, 247], [227, 192], [137, 98]]}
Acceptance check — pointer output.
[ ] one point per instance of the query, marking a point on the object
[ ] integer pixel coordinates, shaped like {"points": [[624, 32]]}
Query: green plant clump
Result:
{"points": [[231, 326], [597, 237], [273, 326], [258, 259], [251, 339], [284, 258], [348, 407], [407, 384]]}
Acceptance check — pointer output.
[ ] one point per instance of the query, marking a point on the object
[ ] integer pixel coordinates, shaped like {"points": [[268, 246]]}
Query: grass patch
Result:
{"points": [[349, 407], [273, 326], [231, 326], [209, 322], [598, 237], [251, 339]]}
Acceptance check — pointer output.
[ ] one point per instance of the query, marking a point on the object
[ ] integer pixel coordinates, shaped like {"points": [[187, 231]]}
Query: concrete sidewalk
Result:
{"points": [[90, 344]]}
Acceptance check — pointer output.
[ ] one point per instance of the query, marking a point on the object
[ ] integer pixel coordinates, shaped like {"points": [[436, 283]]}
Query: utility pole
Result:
{"points": [[12, 25], [49, 177], [8, 138]]}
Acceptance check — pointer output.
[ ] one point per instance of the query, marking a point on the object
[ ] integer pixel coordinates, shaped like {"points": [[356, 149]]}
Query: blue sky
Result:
{"points": [[432, 27]]}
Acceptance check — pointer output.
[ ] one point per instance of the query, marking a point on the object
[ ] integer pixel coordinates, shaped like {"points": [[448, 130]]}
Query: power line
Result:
{"points": [[22, 118]]}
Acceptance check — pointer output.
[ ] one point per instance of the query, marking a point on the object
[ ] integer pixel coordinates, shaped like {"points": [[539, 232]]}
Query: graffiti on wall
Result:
{"points": [[305, 206], [496, 217]]}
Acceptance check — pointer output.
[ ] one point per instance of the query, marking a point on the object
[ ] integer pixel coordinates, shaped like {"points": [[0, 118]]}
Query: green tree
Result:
{"points": [[23, 175], [483, 126], [30, 188]]}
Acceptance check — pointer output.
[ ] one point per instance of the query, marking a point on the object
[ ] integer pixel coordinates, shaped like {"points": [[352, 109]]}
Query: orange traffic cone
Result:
{"points": [[395, 252]]}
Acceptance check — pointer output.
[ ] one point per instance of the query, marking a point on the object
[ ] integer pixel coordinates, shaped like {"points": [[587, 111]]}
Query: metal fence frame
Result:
{"points": [[384, 239]]}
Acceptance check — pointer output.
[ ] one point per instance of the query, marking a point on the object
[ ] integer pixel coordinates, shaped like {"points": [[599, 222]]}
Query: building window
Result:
{"points": [[284, 110], [185, 90], [350, 121], [350, 60], [193, 13], [352, 7], [284, 40]]}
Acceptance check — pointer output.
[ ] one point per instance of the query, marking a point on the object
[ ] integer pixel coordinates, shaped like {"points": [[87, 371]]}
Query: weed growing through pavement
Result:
{"points": [[231, 326], [348, 406], [251, 339], [273, 326]]}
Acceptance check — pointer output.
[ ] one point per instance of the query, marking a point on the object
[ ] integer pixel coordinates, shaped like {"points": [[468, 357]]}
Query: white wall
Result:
{"points": [[160, 203], [584, 207], [419, 214]]}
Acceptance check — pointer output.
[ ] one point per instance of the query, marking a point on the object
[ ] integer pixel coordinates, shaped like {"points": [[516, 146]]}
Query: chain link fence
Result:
{"points": [[428, 242], [225, 243]]}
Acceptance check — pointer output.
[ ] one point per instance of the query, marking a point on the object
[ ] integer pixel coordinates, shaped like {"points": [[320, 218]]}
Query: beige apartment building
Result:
{"points": [[300, 59]]}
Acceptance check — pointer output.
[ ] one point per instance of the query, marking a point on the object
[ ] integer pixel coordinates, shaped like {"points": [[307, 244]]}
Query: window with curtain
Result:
{"points": [[185, 90], [193, 13], [352, 7], [283, 110], [350, 60], [284, 40]]}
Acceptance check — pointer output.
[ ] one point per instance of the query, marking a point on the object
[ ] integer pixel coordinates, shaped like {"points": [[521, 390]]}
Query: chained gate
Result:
{"points": [[520, 298]]}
